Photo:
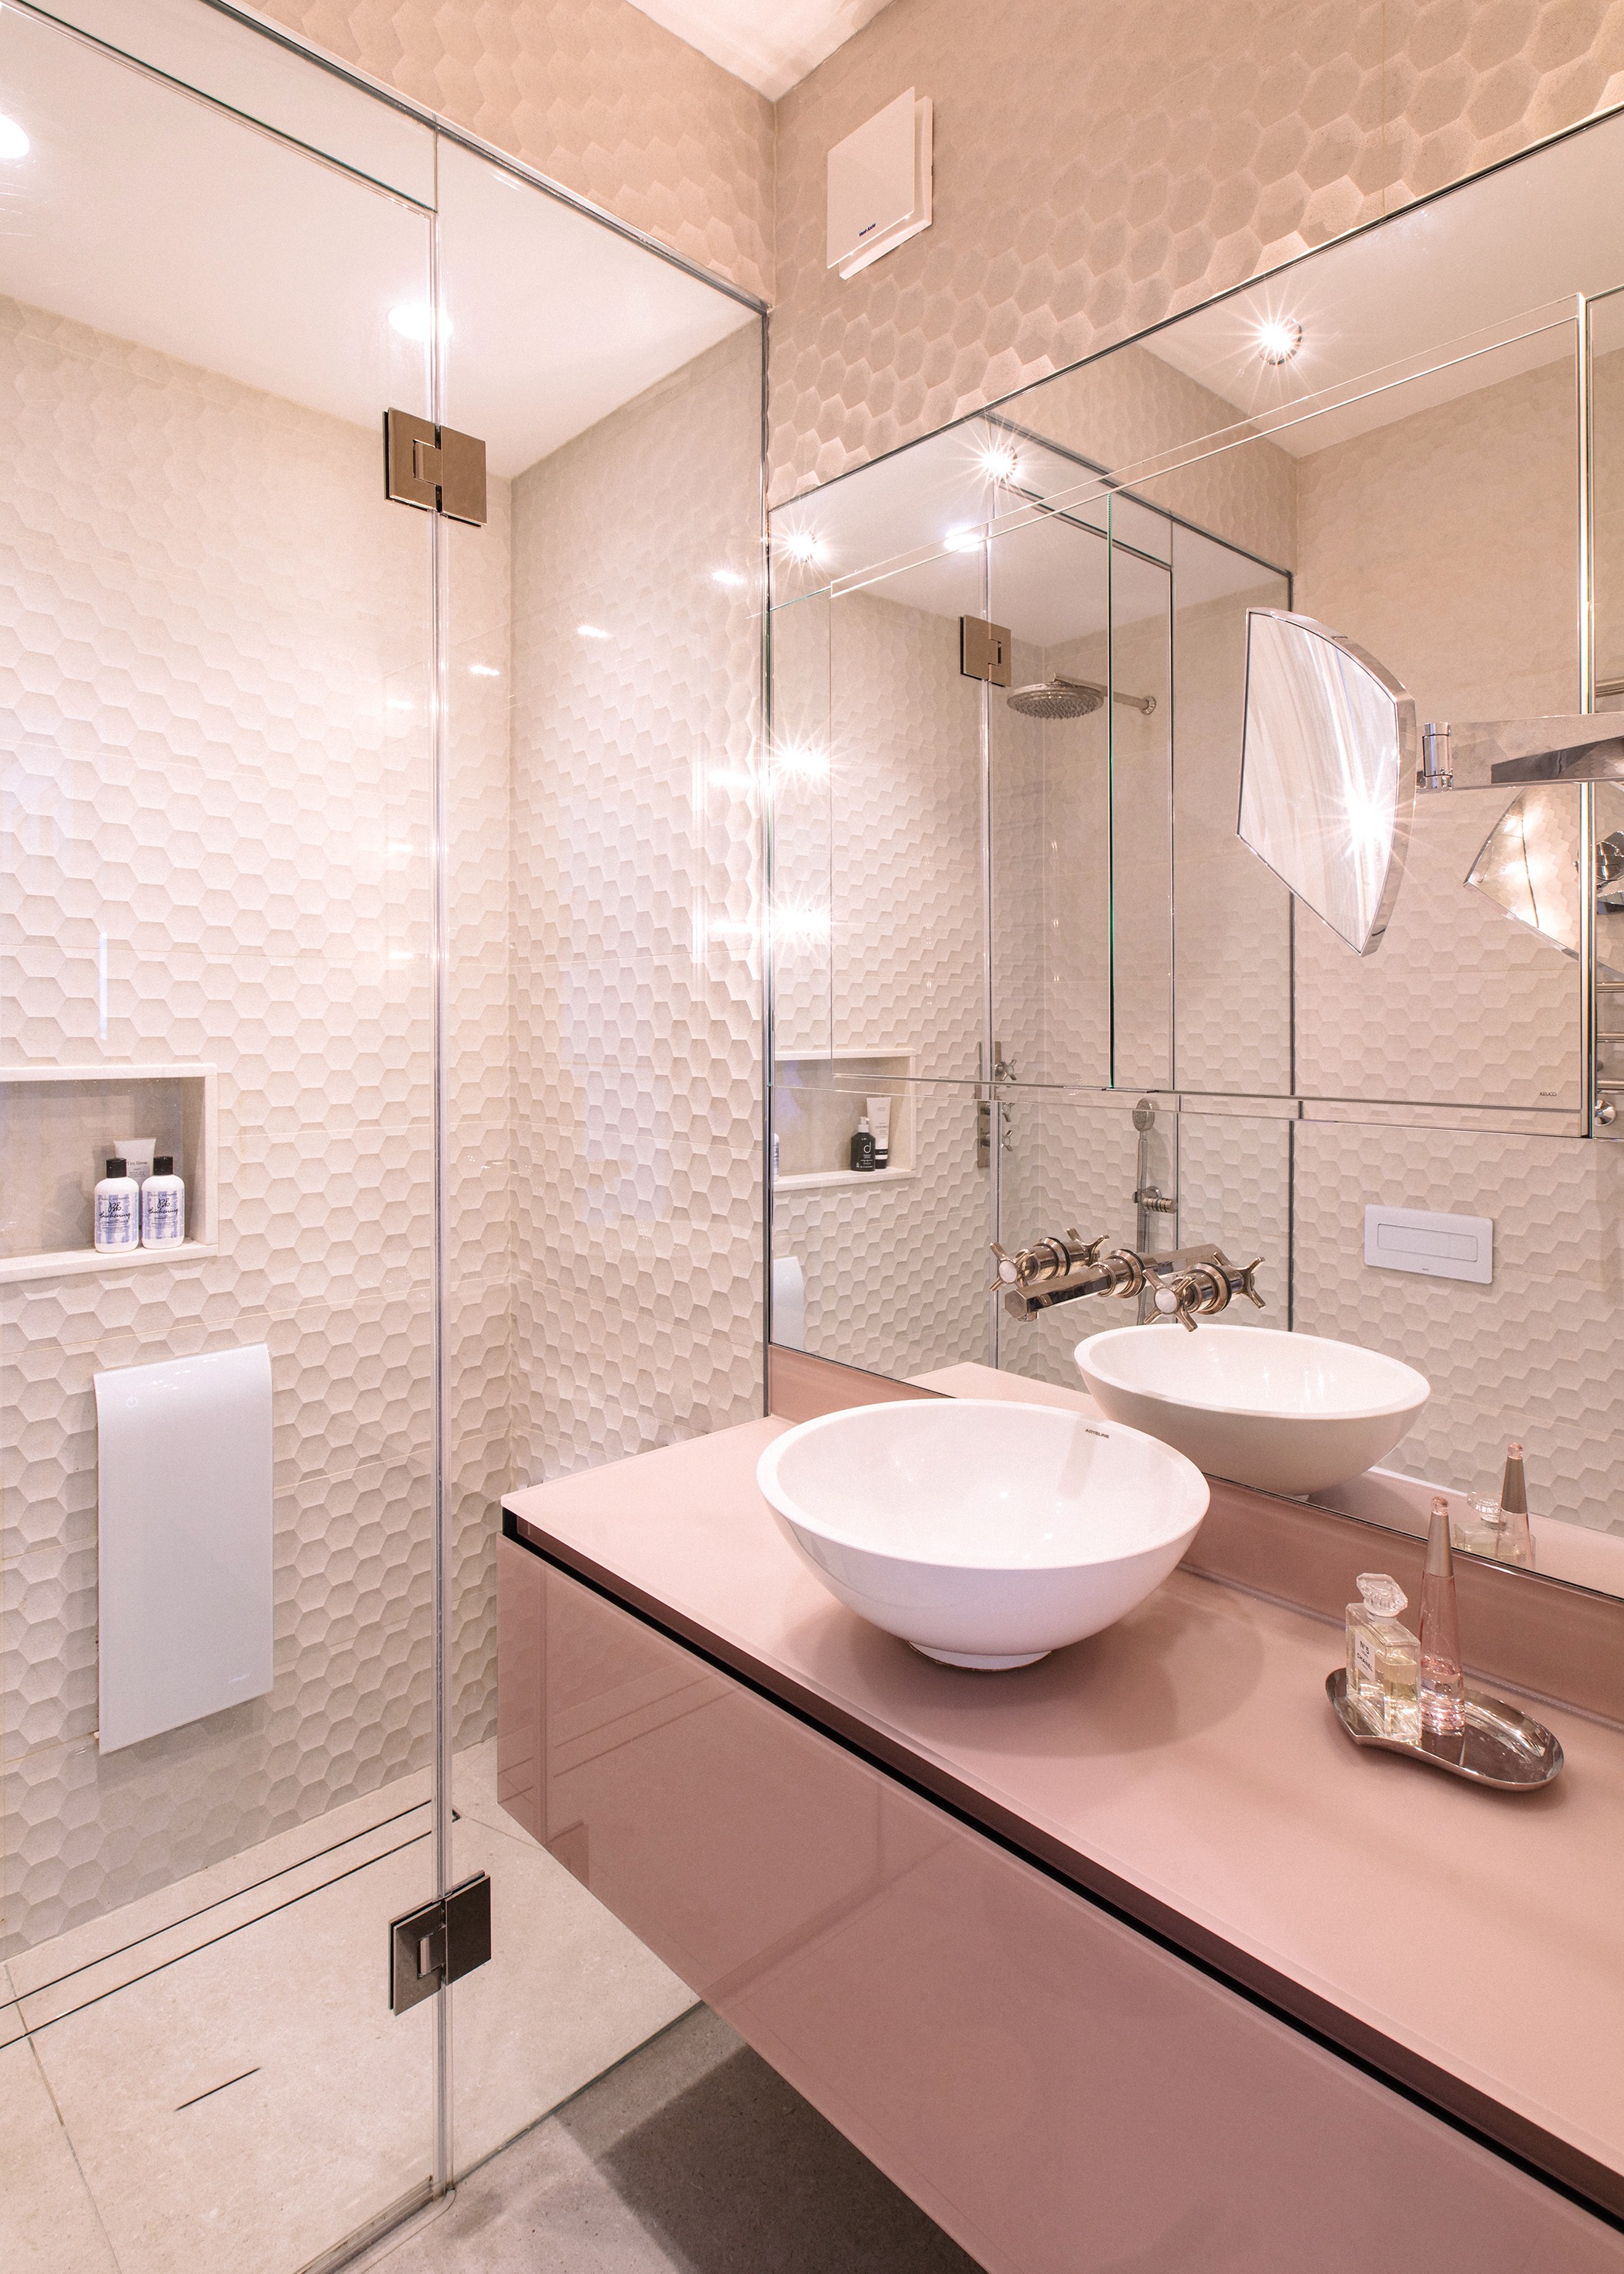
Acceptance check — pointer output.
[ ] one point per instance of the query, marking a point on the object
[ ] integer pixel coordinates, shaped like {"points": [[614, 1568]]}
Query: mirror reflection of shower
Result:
{"points": [[1061, 698]]}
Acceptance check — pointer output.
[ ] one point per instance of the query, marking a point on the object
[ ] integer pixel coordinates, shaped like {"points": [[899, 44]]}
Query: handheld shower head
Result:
{"points": [[1061, 698]]}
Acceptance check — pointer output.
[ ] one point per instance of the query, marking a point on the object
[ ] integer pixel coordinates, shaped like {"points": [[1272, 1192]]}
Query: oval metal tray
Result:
{"points": [[1499, 1746]]}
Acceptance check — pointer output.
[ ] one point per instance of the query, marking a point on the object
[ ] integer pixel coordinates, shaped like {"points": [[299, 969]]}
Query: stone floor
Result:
{"points": [[210, 2081], [692, 2157]]}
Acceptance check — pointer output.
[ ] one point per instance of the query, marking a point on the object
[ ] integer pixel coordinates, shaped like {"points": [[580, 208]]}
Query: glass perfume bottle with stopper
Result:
{"points": [[1383, 1657], [1516, 1541], [1443, 1689]]}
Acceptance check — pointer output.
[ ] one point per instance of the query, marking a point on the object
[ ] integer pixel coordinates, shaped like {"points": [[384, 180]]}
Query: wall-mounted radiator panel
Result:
{"points": [[183, 1457]]}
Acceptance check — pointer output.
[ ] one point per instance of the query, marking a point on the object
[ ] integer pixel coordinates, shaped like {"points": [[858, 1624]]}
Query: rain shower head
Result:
{"points": [[1061, 698]]}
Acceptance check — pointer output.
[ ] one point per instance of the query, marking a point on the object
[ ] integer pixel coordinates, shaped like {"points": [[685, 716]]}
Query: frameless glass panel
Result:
{"points": [[1049, 758], [801, 786], [602, 1064], [905, 802], [1141, 711], [218, 813], [204, 49], [1607, 329], [1232, 930]]}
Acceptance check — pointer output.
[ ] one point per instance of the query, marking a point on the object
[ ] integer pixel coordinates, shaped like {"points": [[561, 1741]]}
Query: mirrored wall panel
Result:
{"points": [[1356, 1051]]}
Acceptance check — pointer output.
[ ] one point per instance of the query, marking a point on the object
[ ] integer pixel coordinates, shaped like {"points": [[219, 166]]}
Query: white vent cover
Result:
{"points": [[879, 184]]}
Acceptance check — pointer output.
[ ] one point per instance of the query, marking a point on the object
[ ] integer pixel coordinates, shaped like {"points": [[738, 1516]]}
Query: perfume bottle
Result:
{"points": [[1383, 1657], [1474, 1527], [1443, 1692], [1516, 1541]]}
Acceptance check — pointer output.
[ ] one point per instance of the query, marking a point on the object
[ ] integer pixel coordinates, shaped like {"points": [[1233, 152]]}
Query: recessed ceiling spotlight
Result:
{"points": [[998, 462], [13, 142], [962, 541], [800, 545], [1279, 338]]}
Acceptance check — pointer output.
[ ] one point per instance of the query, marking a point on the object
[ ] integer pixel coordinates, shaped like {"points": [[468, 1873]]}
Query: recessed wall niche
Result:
{"points": [[60, 1123]]}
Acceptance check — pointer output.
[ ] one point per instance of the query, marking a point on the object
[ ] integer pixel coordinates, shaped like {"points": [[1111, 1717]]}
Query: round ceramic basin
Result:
{"points": [[985, 1532], [1288, 1413]]}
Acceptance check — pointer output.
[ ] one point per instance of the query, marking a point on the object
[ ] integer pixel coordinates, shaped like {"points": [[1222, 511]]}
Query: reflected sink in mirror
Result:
{"points": [[983, 1533], [1285, 1413]]}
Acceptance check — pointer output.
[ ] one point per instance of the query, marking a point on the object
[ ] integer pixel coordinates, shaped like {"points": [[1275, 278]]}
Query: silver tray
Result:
{"points": [[1499, 1745]]}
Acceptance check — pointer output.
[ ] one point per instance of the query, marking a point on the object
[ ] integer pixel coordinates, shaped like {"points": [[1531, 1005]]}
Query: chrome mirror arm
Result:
{"points": [[1487, 753]]}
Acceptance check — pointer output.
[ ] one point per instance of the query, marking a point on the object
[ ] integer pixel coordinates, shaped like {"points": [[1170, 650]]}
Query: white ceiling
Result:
{"points": [[160, 219], [769, 43]]}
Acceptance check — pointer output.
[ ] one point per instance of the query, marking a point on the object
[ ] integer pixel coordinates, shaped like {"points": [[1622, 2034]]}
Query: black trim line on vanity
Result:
{"points": [[1591, 2187]]}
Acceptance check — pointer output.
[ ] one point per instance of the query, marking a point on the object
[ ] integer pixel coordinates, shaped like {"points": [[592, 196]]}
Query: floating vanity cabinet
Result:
{"points": [[1063, 2093]]}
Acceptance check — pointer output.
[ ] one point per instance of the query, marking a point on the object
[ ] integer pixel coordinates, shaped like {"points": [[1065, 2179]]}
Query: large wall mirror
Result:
{"points": [[1018, 934]]}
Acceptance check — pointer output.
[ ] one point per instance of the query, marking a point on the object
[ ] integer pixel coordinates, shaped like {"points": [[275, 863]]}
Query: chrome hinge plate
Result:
{"points": [[433, 468], [439, 1943], [984, 650]]}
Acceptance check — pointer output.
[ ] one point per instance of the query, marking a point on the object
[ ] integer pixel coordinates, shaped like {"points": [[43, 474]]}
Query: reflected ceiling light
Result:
{"points": [[590, 631], [800, 545], [484, 671], [13, 142], [1279, 338], [963, 540], [800, 762], [411, 321], [998, 462], [728, 576]]}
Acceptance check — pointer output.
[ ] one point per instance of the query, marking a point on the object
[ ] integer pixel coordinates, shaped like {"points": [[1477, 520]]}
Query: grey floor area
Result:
{"points": [[693, 2157]]}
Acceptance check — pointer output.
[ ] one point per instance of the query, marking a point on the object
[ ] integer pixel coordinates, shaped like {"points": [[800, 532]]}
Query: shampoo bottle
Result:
{"points": [[163, 1205], [117, 1219], [862, 1145]]}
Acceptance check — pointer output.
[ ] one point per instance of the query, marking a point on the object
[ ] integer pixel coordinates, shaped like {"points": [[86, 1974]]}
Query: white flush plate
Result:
{"points": [[1437, 1247]]}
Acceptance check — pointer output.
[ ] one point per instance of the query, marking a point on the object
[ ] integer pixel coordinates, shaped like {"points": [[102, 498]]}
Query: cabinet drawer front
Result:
{"points": [[1058, 2092]]}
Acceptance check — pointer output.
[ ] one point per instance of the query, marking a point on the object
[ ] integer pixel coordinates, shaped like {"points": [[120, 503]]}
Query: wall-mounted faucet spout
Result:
{"points": [[1191, 1283]]}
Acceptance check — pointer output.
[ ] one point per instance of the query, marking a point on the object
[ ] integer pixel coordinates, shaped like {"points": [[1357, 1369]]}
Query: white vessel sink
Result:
{"points": [[1288, 1413], [984, 1533]]}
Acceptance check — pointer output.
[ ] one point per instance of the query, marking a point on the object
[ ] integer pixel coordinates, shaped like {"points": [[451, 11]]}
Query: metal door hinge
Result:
{"points": [[984, 650], [440, 1943], [433, 467]]}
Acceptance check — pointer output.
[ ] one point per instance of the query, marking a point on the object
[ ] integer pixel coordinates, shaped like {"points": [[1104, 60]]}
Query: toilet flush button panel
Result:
{"points": [[1438, 1247]]}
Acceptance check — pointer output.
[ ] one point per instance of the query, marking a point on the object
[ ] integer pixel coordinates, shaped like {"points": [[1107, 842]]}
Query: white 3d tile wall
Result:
{"points": [[216, 713]]}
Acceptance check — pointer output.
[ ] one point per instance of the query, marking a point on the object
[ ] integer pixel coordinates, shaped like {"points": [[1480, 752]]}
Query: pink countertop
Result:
{"points": [[1186, 1765]]}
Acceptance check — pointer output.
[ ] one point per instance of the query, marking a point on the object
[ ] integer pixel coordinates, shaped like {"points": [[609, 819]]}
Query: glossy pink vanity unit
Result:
{"points": [[1125, 1960]]}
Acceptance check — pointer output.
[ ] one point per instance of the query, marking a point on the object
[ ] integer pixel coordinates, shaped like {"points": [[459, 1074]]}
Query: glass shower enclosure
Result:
{"points": [[341, 839]]}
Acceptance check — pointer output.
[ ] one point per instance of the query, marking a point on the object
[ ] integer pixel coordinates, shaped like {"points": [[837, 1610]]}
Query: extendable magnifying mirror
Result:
{"points": [[1331, 763], [1327, 772]]}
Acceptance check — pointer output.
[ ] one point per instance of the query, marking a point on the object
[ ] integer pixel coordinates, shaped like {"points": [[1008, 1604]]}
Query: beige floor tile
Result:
{"points": [[330, 2122], [568, 1991], [48, 2224]]}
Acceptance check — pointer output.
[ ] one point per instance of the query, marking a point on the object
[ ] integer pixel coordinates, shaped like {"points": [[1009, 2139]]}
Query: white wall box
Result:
{"points": [[183, 1540], [880, 184], [57, 1126]]}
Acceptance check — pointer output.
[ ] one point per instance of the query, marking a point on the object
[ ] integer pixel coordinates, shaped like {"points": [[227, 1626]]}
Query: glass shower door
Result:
{"points": [[217, 706]]}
